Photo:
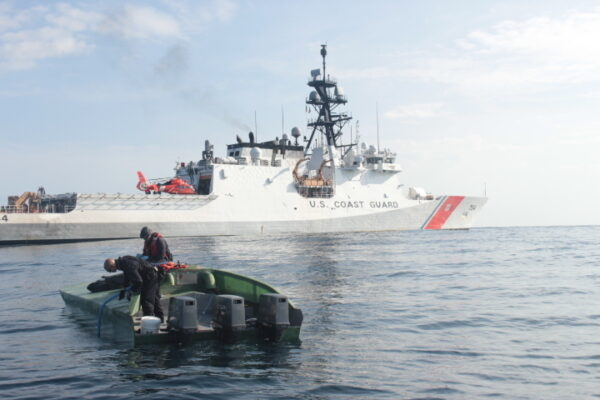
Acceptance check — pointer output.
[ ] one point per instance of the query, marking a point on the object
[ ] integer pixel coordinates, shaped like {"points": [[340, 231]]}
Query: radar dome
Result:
{"points": [[255, 154]]}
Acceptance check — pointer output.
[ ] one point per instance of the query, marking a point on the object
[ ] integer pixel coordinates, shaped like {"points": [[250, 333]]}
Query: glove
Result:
{"points": [[122, 295]]}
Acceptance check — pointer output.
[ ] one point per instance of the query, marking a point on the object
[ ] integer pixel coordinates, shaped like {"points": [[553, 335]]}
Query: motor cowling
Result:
{"points": [[273, 316], [229, 317], [183, 314]]}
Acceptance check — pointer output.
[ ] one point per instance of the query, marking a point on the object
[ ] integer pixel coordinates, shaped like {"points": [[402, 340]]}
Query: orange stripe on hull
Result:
{"points": [[444, 212]]}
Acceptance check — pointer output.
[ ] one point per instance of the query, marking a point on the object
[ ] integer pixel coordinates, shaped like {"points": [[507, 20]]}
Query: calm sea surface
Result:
{"points": [[508, 313]]}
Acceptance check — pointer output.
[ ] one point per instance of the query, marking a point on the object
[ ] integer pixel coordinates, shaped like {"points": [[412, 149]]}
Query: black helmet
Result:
{"points": [[145, 232]]}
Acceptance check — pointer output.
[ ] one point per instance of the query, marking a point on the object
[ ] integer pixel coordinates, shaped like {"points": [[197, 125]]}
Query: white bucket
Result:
{"points": [[150, 325]]}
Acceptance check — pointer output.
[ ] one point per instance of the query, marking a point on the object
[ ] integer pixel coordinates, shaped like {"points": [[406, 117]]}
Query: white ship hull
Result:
{"points": [[247, 199], [275, 186]]}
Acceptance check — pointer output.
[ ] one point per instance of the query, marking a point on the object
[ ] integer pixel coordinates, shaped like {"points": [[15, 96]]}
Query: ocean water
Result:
{"points": [[509, 313]]}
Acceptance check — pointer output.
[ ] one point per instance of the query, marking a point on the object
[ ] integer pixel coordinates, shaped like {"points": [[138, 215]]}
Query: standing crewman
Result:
{"points": [[155, 246], [144, 279]]}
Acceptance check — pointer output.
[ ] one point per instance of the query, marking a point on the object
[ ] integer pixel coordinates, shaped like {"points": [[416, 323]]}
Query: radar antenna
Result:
{"points": [[325, 99]]}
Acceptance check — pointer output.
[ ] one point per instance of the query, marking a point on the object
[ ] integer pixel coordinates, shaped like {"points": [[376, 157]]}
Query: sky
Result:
{"points": [[476, 98]]}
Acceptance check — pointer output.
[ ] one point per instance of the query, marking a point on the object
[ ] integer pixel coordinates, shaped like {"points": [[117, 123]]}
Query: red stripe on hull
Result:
{"points": [[444, 212]]}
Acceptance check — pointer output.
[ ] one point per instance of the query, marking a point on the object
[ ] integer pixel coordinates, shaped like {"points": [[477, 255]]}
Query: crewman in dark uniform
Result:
{"points": [[144, 278], [155, 246]]}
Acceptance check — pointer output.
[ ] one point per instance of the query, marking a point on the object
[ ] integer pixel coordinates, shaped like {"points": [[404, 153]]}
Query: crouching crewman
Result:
{"points": [[144, 278]]}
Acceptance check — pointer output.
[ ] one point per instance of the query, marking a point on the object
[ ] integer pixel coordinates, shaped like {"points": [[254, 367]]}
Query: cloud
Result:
{"points": [[446, 145], [21, 50], [416, 111], [135, 22], [589, 140], [534, 54], [30, 35], [37, 33], [11, 20], [572, 36], [71, 19], [223, 10]]}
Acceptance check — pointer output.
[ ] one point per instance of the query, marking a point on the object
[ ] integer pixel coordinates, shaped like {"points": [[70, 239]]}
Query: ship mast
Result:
{"points": [[329, 122]]}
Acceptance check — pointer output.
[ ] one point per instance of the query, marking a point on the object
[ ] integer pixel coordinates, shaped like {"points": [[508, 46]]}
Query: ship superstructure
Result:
{"points": [[276, 186]]}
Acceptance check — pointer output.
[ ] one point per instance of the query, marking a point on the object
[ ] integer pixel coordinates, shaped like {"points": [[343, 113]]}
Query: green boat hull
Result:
{"points": [[122, 318]]}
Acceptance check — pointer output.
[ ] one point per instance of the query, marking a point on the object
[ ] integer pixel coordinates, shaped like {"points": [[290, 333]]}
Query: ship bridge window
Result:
{"points": [[389, 160], [237, 153], [373, 160], [231, 154]]}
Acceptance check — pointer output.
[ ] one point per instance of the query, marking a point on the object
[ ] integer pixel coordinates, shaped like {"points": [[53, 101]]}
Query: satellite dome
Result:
{"points": [[296, 132], [255, 154]]}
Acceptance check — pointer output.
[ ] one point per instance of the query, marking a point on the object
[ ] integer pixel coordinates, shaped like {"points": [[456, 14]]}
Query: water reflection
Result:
{"points": [[317, 275], [207, 358]]}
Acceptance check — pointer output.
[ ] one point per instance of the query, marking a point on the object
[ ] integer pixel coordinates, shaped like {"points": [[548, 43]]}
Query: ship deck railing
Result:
{"points": [[125, 202], [34, 210], [119, 201]]}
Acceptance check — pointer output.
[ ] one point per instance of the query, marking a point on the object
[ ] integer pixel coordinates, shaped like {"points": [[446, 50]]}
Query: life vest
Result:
{"points": [[172, 265], [151, 247]]}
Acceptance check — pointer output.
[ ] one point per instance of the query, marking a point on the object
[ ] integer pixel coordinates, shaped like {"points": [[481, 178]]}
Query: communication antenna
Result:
{"points": [[282, 119], [351, 134], [377, 117], [255, 127]]}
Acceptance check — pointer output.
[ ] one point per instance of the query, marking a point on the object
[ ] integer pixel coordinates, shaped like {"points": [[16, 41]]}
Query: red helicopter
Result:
{"points": [[172, 186]]}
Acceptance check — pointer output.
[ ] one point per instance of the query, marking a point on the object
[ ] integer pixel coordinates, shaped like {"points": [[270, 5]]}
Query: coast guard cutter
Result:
{"points": [[277, 186]]}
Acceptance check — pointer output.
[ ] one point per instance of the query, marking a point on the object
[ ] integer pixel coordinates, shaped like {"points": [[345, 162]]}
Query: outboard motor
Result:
{"points": [[273, 316], [229, 317], [183, 315]]}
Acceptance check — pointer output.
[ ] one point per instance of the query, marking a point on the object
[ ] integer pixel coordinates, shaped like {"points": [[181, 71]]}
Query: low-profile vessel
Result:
{"points": [[199, 304]]}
